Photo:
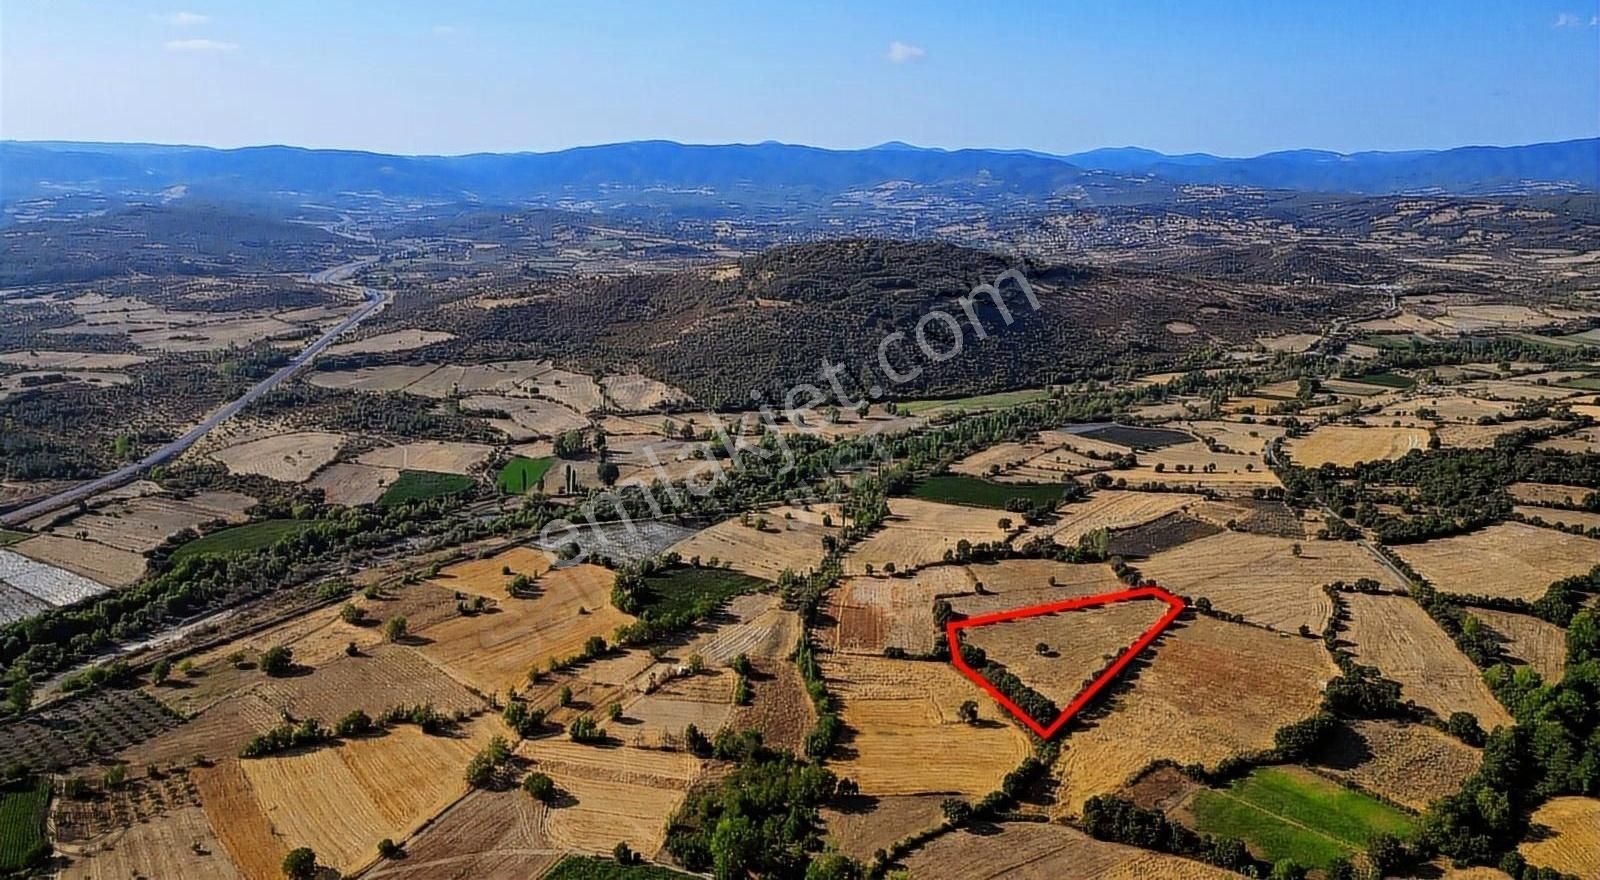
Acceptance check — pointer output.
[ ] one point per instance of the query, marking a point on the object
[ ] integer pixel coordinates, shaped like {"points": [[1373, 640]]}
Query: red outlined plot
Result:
{"points": [[954, 628]]}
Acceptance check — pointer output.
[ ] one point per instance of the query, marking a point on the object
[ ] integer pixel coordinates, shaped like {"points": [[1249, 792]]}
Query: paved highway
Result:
{"points": [[375, 300]]}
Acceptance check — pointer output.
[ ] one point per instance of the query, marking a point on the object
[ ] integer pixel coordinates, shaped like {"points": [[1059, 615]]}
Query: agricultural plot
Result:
{"points": [[1549, 493], [616, 794], [1111, 509], [62, 733], [1572, 841], [428, 455], [1209, 690], [1290, 813], [1038, 851], [384, 676], [398, 340], [1261, 578], [1484, 436], [487, 835], [792, 540], [756, 625], [1193, 465], [247, 538], [976, 492], [353, 484], [998, 459], [659, 718], [102, 565], [1529, 640], [1136, 438], [1410, 764], [520, 475], [143, 523], [1014, 583], [487, 576], [175, 843], [779, 706], [622, 542], [635, 392], [680, 590], [494, 652], [975, 403], [1453, 408], [423, 485], [1509, 560], [919, 532], [43, 581], [1578, 519], [16, 605], [1058, 655], [859, 833], [1586, 440], [900, 718], [1347, 445], [1158, 535], [23, 807], [1394, 634], [71, 360], [874, 613], [525, 417], [287, 458]]}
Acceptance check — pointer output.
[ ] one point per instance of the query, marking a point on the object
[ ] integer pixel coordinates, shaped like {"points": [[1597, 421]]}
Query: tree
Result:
{"points": [[300, 864], [968, 712], [564, 698], [277, 661], [1004, 523], [1296, 549], [388, 849], [623, 854], [540, 786], [351, 613], [834, 866], [1465, 727], [395, 628], [160, 672], [569, 444], [956, 811], [1386, 853]]}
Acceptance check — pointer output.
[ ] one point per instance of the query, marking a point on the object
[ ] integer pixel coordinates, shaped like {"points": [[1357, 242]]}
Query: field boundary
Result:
{"points": [[953, 635]]}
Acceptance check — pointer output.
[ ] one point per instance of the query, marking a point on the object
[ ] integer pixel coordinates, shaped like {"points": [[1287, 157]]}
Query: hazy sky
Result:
{"points": [[414, 77]]}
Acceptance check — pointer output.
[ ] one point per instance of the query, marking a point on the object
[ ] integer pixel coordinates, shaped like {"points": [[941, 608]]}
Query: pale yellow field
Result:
{"points": [[1510, 560], [1548, 493], [1231, 471], [352, 484], [144, 523], [1483, 436], [1538, 643], [918, 532], [1587, 440], [97, 562], [874, 613], [1112, 509], [1013, 583], [1580, 518], [1447, 408], [487, 577], [288, 458], [159, 847], [901, 717], [1081, 643], [428, 455], [71, 360], [621, 794], [634, 392], [494, 652], [1345, 445], [398, 340], [530, 416], [1040, 851], [1573, 846], [1259, 576], [1410, 764], [1394, 634], [1211, 689], [792, 540]]}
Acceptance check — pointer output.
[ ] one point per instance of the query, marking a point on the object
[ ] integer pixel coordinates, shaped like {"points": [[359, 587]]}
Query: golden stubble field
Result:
{"points": [[1345, 445], [918, 533], [1038, 851], [1509, 560], [1573, 843], [1394, 634], [792, 539]]}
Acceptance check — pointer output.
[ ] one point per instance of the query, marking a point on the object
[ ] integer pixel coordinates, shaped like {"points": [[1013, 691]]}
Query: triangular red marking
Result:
{"points": [[954, 627]]}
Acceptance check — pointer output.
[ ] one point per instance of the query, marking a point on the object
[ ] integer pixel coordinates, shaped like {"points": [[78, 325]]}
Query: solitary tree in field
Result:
{"points": [[277, 660], [395, 629], [300, 864], [967, 712]]}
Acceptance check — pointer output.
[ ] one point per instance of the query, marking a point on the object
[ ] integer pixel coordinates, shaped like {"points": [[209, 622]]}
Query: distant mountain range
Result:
{"points": [[36, 168]]}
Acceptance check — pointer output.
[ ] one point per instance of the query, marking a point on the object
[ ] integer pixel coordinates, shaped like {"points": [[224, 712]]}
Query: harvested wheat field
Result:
{"points": [[287, 458], [104, 566], [617, 794], [176, 843], [1509, 560], [1111, 509], [487, 835], [145, 523], [1530, 640], [1447, 408], [1209, 690], [1229, 472], [792, 540], [862, 828], [383, 676], [754, 624], [428, 455], [779, 706], [1549, 493], [1587, 440], [635, 392], [658, 719], [1573, 843], [1077, 644], [919, 532], [529, 417], [1014, 583], [1041, 851], [874, 613], [1394, 634], [1259, 576], [495, 651], [1346, 445], [1484, 436], [487, 576], [352, 484], [1410, 764], [901, 720], [71, 360], [397, 340], [247, 836]]}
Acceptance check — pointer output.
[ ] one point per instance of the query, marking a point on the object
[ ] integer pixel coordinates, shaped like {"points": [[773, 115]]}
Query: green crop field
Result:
{"points": [[977, 492], [420, 485], [591, 868], [1289, 813], [1583, 383], [981, 401], [22, 812], [522, 474], [1386, 380], [10, 537], [242, 539], [693, 590]]}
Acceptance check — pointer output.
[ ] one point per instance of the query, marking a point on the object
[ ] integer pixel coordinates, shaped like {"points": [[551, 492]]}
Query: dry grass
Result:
{"points": [[1394, 634], [495, 651], [1345, 445], [444, 458], [1573, 842], [635, 392], [919, 532], [1581, 519], [398, 340], [1538, 643], [240, 823], [1232, 471], [1036, 851], [1484, 436], [101, 564], [874, 613], [1587, 440], [901, 720], [288, 458], [1112, 509], [1259, 576], [144, 523], [487, 576], [529, 416], [1080, 644], [351, 484], [1211, 689], [1014, 583], [1509, 560], [71, 360], [860, 831], [1410, 764], [487, 835], [792, 540], [1548, 493], [618, 794], [161, 846]]}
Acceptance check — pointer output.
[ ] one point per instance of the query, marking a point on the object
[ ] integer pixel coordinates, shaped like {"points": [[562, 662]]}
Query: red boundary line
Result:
{"points": [[954, 627]]}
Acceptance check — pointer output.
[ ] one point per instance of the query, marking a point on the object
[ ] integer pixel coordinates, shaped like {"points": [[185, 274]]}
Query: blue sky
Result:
{"points": [[414, 77]]}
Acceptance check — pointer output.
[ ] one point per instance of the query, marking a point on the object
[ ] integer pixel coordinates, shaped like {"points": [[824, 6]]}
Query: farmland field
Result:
{"points": [[1038, 851], [1510, 560], [1573, 843], [1112, 509], [1345, 445], [247, 538], [445, 458], [792, 540], [1078, 644], [592, 868], [422, 485], [961, 489], [1394, 634], [8, 537], [978, 402], [1410, 764], [23, 807], [1529, 640], [678, 590], [521, 474], [919, 532], [619, 794], [1289, 813], [288, 458]]}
